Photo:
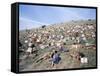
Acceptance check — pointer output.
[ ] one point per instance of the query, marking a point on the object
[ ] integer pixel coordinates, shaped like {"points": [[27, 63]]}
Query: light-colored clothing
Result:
{"points": [[29, 50]]}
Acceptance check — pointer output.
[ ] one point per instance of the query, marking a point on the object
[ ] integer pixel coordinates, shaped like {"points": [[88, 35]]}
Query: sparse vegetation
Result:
{"points": [[73, 37]]}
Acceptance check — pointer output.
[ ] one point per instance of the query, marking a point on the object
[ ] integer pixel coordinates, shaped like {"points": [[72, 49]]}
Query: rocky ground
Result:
{"points": [[73, 36]]}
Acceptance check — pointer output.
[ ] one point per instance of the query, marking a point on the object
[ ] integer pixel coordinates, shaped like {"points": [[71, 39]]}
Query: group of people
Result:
{"points": [[56, 37]]}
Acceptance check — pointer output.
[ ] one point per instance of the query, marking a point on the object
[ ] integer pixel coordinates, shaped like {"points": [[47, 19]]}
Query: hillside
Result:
{"points": [[77, 38]]}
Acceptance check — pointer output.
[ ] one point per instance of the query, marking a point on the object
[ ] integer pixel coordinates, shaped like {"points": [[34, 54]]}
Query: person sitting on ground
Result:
{"points": [[77, 55], [63, 49], [30, 49], [55, 58]]}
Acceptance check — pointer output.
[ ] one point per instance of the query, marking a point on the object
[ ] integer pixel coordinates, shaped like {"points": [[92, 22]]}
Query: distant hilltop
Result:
{"points": [[71, 22]]}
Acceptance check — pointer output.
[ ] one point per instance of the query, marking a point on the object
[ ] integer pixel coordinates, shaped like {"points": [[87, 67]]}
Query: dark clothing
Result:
{"points": [[56, 58]]}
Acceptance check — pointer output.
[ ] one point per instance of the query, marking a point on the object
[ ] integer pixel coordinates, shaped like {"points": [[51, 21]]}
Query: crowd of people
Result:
{"points": [[57, 37]]}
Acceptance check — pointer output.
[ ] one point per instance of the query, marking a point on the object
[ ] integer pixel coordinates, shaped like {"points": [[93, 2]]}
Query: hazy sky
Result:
{"points": [[32, 16]]}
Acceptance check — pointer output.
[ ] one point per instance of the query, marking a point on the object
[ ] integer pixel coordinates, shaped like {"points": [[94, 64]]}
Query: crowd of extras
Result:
{"points": [[63, 38]]}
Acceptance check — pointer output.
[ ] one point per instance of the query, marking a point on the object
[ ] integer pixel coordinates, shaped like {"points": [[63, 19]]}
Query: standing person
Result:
{"points": [[55, 58]]}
